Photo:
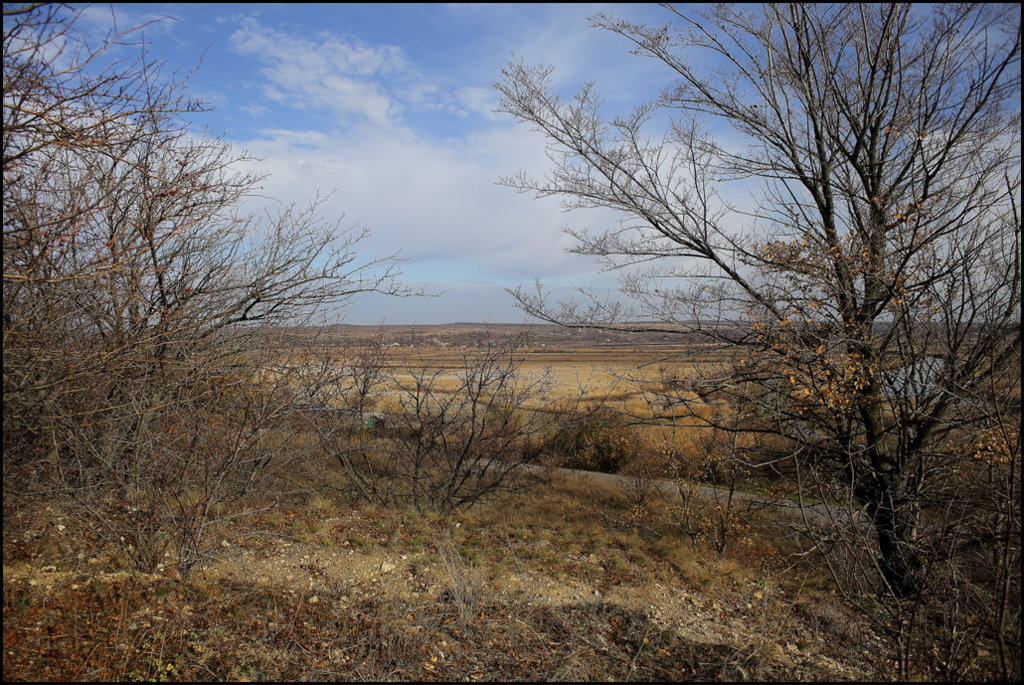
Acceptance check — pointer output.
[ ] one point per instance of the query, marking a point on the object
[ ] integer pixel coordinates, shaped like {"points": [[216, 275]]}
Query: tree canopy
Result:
{"points": [[870, 288]]}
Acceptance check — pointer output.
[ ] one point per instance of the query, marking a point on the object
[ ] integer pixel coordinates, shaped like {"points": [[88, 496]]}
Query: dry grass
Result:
{"points": [[566, 584], [585, 380], [234, 632], [582, 580]]}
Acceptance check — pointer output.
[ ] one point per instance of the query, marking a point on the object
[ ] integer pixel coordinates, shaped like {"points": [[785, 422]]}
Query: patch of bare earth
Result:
{"points": [[376, 595]]}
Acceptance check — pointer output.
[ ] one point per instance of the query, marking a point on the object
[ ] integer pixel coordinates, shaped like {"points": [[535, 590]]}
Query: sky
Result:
{"points": [[388, 112]]}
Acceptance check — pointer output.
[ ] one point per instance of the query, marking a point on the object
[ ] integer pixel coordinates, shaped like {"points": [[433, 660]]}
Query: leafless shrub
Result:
{"points": [[139, 298], [594, 439], [453, 437]]}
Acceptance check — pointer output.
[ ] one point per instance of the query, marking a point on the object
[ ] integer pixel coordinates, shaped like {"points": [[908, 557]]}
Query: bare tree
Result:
{"points": [[871, 291], [139, 296], [452, 436]]}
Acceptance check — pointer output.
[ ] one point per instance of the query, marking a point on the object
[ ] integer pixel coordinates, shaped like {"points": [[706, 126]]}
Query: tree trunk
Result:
{"points": [[895, 522]]}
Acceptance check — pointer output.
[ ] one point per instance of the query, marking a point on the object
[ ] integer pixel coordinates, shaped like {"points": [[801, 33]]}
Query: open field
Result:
{"points": [[612, 387], [614, 373], [618, 378]]}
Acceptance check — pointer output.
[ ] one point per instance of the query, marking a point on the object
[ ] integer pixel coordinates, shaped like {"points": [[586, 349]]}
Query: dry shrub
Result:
{"points": [[598, 441], [826, 621], [641, 488], [446, 446]]}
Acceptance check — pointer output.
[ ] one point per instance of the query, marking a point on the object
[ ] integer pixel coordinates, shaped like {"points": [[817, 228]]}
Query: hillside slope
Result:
{"points": [[566, 583]]}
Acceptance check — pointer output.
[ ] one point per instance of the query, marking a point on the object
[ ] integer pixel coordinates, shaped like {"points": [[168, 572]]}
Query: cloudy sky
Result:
{"points": [[389, 111]]}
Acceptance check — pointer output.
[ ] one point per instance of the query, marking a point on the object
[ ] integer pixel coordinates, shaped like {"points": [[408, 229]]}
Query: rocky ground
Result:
{"points": [[323, 591]]}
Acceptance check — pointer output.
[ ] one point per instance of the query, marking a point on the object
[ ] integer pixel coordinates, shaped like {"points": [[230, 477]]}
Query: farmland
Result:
{"points": [[582, 365], [621, 375]]}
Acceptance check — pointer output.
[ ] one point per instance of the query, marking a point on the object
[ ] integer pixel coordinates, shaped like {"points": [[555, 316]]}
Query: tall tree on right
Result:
{"points": [[871, 292]]}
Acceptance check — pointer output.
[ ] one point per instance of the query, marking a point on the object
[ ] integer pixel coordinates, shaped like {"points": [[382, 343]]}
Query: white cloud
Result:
{"points": [[431, 195], [109, 21], [435, 199], [560, 34], [253, 110], [476, 100], [332, 72], [439, 204]]}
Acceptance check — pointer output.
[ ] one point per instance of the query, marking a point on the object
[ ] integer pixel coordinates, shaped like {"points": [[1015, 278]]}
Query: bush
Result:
{"points": [[595, 442], [141, 383]]}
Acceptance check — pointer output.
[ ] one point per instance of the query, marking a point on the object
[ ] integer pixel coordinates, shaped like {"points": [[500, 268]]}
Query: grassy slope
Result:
{"points": [[570, 582]]}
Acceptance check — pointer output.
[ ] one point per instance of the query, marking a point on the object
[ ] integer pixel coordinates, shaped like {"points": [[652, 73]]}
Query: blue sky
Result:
{"points": [[388, 110]]}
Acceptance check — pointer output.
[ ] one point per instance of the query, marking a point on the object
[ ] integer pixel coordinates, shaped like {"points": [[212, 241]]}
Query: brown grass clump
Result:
{"points": [[152, 629], [567, 583]]}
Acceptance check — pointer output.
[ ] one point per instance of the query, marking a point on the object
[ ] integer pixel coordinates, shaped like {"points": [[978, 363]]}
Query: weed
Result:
{"points": [[358, 542]]}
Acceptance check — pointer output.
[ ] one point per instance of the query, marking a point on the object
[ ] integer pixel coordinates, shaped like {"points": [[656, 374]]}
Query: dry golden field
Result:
{"points": [[619, 375], [621, 380]]}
